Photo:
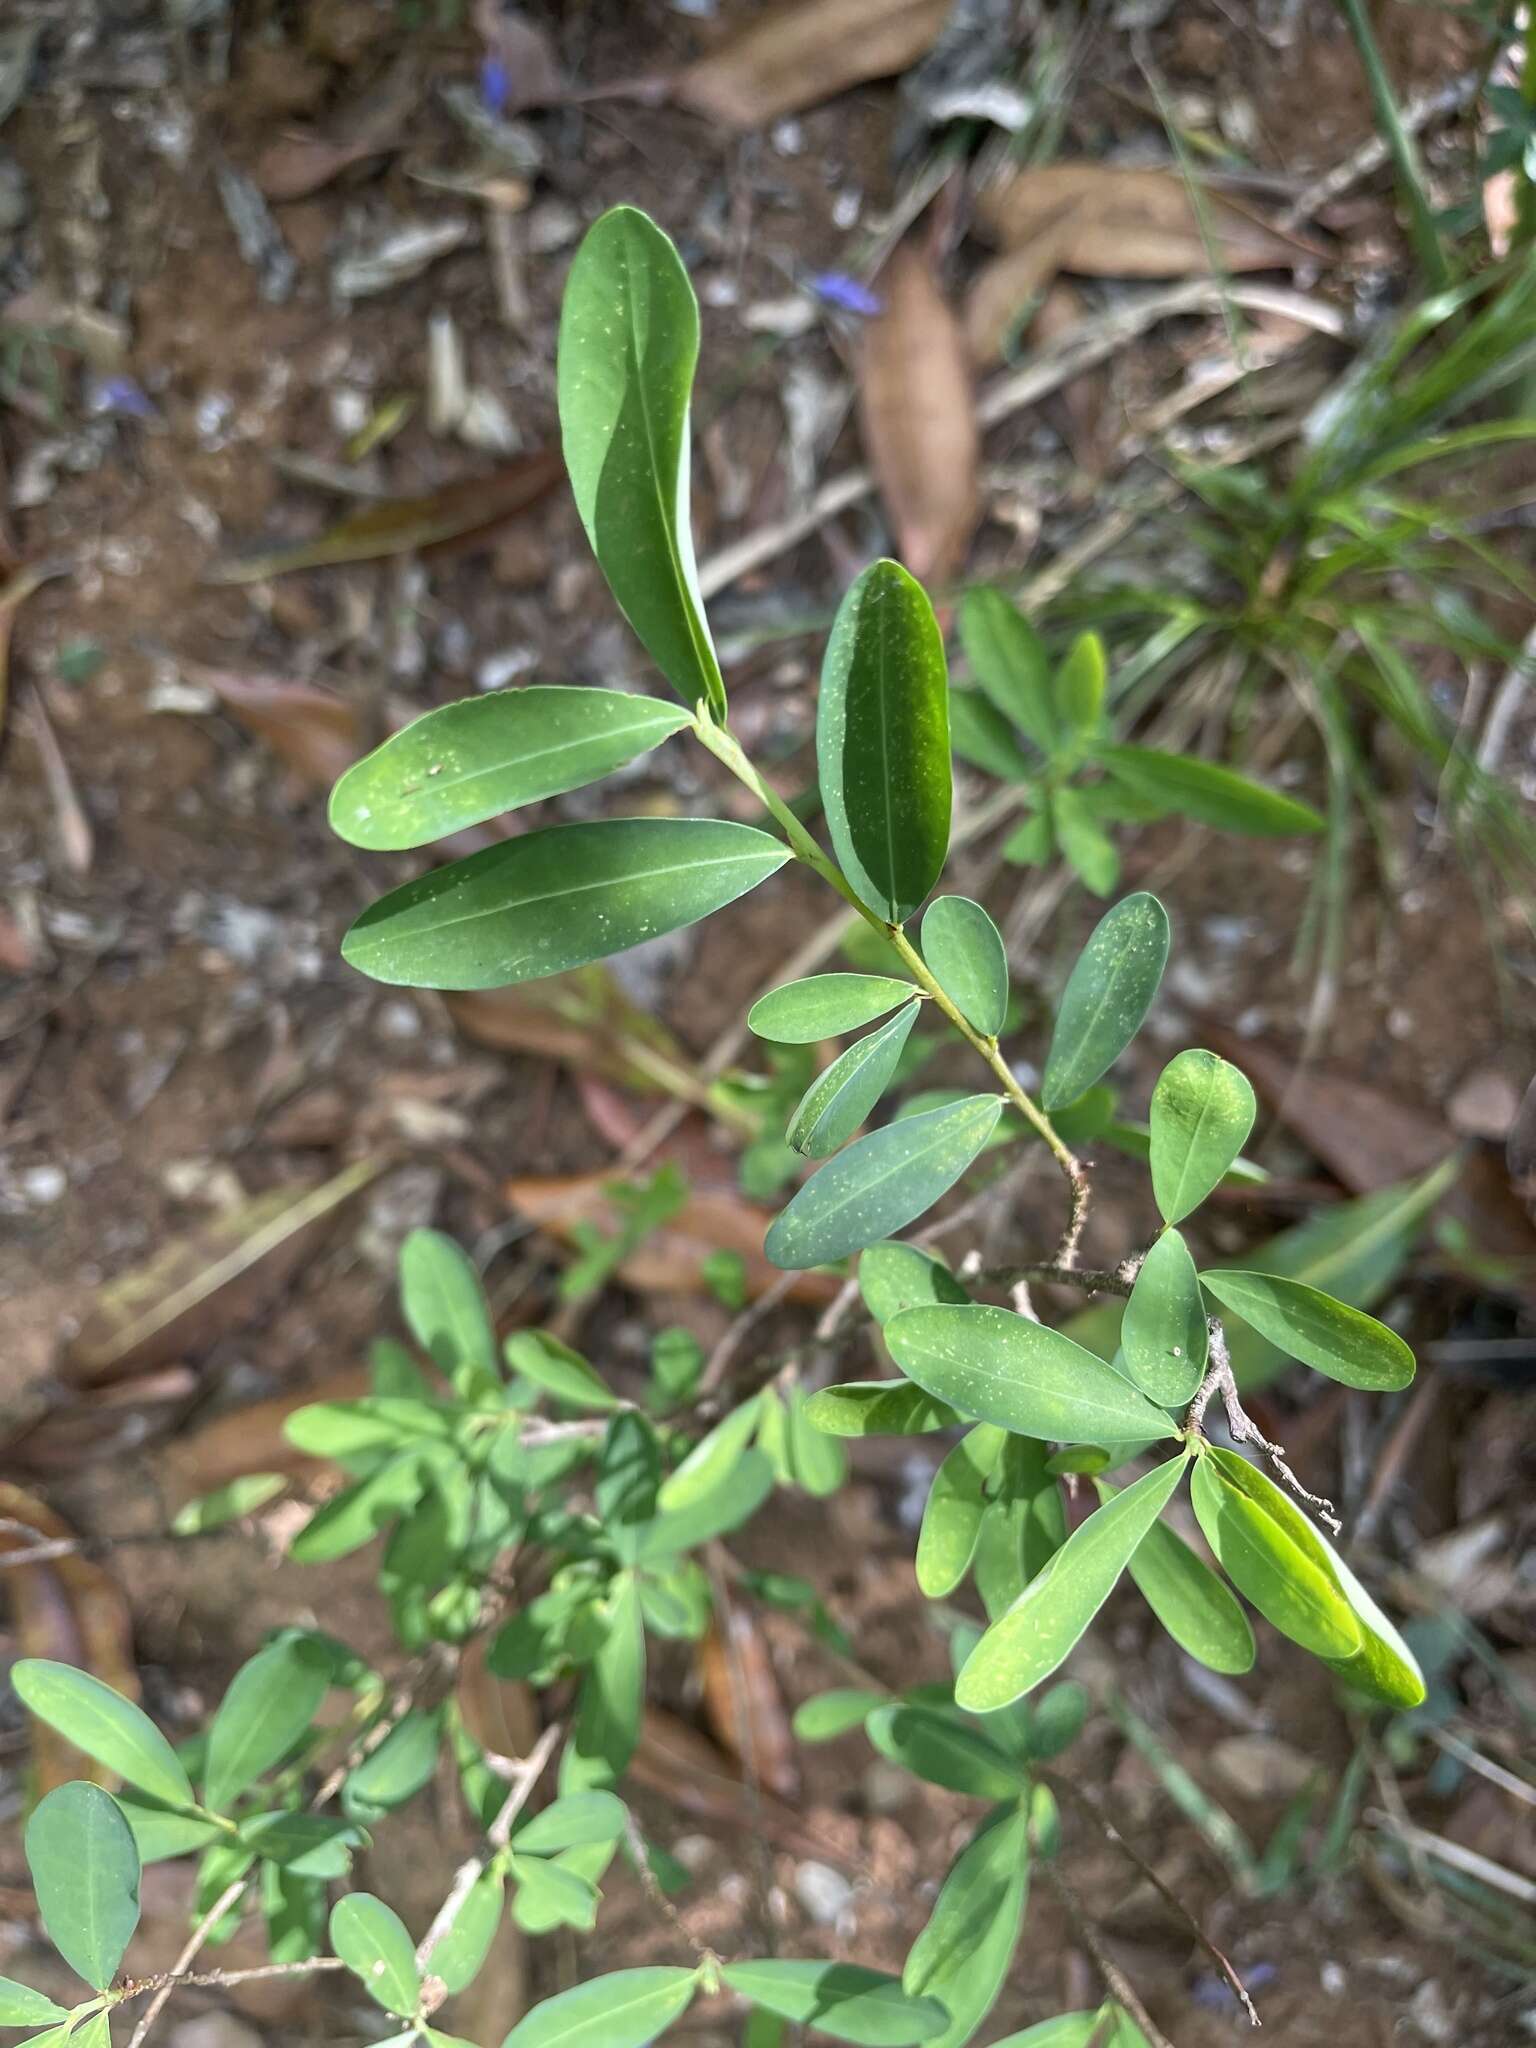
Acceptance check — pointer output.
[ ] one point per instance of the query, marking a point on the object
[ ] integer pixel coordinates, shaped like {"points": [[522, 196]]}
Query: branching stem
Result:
{"points": [[1220, 1379]]}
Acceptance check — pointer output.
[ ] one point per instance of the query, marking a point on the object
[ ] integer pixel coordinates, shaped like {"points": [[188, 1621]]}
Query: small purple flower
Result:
{"points": [[836, 288], [495, 84], [120, 395]]}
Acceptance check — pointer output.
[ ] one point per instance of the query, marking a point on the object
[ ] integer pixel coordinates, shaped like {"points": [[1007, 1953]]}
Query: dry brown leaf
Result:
{"points": [[498, 1713], [695, 1777], [1001, 292], [70, 1609], [668, 1262], [318, 734], [917, 410], [206, 1282], [1106, 220], [800, 52], [743, 1704], [305, 159]]}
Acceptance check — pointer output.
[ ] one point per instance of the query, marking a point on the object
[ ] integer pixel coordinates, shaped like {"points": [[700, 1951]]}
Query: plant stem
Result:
{"points": [[727, 750], [1405, 153]]}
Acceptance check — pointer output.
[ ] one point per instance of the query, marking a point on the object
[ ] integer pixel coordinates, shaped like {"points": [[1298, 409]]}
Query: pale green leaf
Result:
{"points": [[825, 1006], [1208, 792], [841, 1999], [877, 1408], [1085, 846], [1272, 1555], [571, 1823], [980, 734], [85, 1875], [1327, 1334], [627, 2009], [1108, 993], [942, 1749], [711, 1461], [957, 1501], [830, 1714], [1079, 685], [444, 1307], [896, 1276], [961, 1956], [1164, 1334], [21, 2006], [1105, 2028], [397, 1769], [226, 1504], [105, 1725], [964, 950], [1197, 1608], [460, 1952], [540, 1357], [1202, 1111], [612, 1698], [843, 1094], [1009, 661], [271, 1702], [371, 1939]]}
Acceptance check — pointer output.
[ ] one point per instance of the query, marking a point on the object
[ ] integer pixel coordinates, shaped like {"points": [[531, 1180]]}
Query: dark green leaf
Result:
{"points": [[85, 1873], [473, 760], [841, 1999], [1213, 795], [459, 1953], [309, 1844], [1383, 1669], [964, 949], [825, 1006], [105, 1725], [1085, 846], [957, 1500], [1054, 1610], [1009, 661], [1108, 993], [1273, 1555], [1202, 1111], [830, 1714], [571, 1823], [1195, 1606], [877, 1408], [270, 1703], [1008, 1369], [371, 1939], [538, 1356], [843, 1094], [962, 1955], [882, 742], [629, 342], [557, 898], [612, 1698], [945, 1751], [444, 1307], [881, 1183], [1329, 1335], [1164, 1333], [1079, 686], [21, 2006], [897, 1276], [979, 733], [627, 2009]]}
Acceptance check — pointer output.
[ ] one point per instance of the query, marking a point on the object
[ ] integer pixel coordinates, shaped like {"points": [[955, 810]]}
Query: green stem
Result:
{"points": [[1405, 154], [727, 750]]}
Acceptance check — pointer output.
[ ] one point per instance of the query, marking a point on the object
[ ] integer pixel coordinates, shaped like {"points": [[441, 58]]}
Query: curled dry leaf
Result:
{"points": [[317, 733], [72, 1610], [669, 1260], [1105, 220], [743, 1704], [800, 52], [917, 409], [204, 1283]]}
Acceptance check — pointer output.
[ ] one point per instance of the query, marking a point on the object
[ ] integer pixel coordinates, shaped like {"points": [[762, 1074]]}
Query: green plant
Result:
{"points": [[520, 1498]]}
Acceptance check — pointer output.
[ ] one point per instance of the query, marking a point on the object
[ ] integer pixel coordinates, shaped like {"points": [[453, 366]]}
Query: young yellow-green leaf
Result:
{"points": [[881, 1183], [1053, 1611], [226, 1504], [843, 1094], [270, 1703], [557, 898], [895, 1276], [612, 1698], [1009, 661], [85, 1873], [1273, 1556], [105, 1725], [458, 1955], [1329, 1335], [964, 949], [629, 343], [1164, 1334], [1085, 846], [1107, 995], [1013, 1371], [711, 1461], [877, 1408], [378, 1422], [1383, 1668], [21, 2006], [549, 1896], [841, 1999], [444, 1307], [1211, 794], [1202, 1111], [961, 1956], [825, 1006], [882, 742], [627, 2009], [979, 733], [1196, 1607], [1106, 2028], [538, 1356], [372, 1940], [830, 1714], [1079, 685], [572, 1823], [945, 1751], [957, 1500], [473, 760]]}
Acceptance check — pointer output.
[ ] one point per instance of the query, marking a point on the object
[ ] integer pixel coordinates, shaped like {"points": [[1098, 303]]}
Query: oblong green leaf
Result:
{"points": [[557, 898], [105, 1725], [226, 1504], [85, 1873], [629, 343], [964, 949], [372, 1940], [612, 1697], [1327, 1334], [473, 760], [896, 1276], [957, 1501], [270, 1703], [877, 1408], [1024, 1525], [1273, 1557], [445, 1310], [945, 1751], [1008, 1369], [308, 1844], [980, 734], [881, 1183], [841, 1999], [882, 742], [1009, 661], [460, 1952], [733, 1499], [1164, 1334], [1107, 995], [1054, 1610], [1085, 846], [626, 2009], [843, 1094], [962, 1955], [356, 1515], [712, 1460], [1079, 686], [825, 1006], [549, 1895], [1383, 1668], [571, 1823], [160, 1832], [1106, 2028], [1208, 792], [397, 1770], [1202, 1111], [1198, 1609], [21, 2006], [830, 1714], [539, 1356]]}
